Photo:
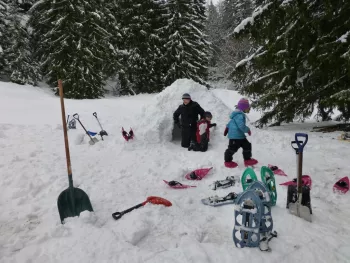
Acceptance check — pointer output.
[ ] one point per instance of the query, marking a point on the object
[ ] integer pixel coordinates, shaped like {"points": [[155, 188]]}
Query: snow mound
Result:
{"points": [[157, 118]]}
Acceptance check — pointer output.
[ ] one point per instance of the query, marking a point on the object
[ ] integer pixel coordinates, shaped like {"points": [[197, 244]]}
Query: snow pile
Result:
{"points": [[117, 175], [157, 117]]}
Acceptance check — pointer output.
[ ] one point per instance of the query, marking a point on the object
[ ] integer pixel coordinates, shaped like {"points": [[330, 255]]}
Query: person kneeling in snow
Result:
{"points": [[203, 133], [236, 129]]}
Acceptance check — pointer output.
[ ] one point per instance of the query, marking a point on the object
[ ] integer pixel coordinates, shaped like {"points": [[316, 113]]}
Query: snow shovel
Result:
{"points": [[72, 201], [151, 199], [298, 208], [92, 140], [102, 132]]}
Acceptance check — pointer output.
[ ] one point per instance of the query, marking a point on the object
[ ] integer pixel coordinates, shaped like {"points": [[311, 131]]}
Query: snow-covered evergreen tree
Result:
{"points": [[21, 67], [231, 13], [73, 44], [4, 14], [186, 50], [16, 57], [302, 60], [213, 30], [141, 22]]}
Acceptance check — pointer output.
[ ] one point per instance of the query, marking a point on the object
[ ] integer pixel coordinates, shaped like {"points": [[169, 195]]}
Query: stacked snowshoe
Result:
{"points": [[267, 177], [255, 227]]}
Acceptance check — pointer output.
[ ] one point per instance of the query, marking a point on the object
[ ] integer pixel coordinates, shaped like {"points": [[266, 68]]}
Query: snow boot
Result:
{"points": [[250, 162], [230, 164]]}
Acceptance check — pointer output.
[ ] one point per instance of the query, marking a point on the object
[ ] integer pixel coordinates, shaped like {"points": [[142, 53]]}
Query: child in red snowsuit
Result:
{"points": [[203, 133]]}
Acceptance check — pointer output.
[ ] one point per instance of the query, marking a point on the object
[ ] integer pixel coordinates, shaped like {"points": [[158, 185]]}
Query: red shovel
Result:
{"points": [[151, 199]]}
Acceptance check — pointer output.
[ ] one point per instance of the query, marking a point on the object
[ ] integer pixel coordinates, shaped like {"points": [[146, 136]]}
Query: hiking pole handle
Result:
{"points": [[118, 215], [95, 114], [301, 144]]}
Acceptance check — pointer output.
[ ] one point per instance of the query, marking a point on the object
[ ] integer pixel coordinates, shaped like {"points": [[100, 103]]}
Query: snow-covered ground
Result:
{"points": [[117, 175]]}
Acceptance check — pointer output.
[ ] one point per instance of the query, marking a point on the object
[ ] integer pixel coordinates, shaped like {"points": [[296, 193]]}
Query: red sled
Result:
{"points": [[306, 179], [276, 170], [128, 135], [342, 185], [198, 174], [177, 185]]}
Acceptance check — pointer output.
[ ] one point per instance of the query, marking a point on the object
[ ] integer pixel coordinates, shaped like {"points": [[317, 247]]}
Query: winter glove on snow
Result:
{"points": [[213, 125], [226, 131]]}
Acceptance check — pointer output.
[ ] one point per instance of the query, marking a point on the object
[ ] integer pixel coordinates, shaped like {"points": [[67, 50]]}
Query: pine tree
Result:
{"points": [[186, 49], [141, 22], [16, 56], [4, 36], [214, 34], [22, 68], [72, 44], [202, 44], [302, 60], [232, 50]]}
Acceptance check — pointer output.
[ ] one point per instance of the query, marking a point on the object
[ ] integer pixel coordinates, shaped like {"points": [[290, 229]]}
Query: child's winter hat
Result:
{"points": [[243, 104], [208, 114], [186, 96]]}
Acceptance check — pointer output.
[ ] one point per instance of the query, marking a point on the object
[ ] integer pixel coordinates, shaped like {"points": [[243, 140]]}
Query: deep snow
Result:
{"points": [[117, 175]]}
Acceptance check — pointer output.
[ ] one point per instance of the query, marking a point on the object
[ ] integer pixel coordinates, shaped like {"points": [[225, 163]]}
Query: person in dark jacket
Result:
{"points": [[189, 112], [203, 133]]}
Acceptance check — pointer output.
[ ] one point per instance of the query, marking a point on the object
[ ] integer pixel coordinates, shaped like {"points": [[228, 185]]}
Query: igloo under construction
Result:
{"points": [[157, 117]]}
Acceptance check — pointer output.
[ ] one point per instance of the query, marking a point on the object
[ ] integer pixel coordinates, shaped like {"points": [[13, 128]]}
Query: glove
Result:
{"points": [[213, 124], [226, 131], [178, 124], [249, 133]]}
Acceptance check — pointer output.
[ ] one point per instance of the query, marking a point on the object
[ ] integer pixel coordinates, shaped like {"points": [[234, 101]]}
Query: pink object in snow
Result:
{"points": [[250, 162], [177, 185], [342, 185], [198, 174], [277, 170], [306, 179], [231, 164]]}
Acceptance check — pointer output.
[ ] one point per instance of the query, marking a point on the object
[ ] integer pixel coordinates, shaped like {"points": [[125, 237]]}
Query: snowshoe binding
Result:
{"points": [[218, 201], [229, 181]]}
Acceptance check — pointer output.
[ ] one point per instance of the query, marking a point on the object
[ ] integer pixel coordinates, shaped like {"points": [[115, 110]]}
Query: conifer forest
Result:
{"points": [[289, 57]]}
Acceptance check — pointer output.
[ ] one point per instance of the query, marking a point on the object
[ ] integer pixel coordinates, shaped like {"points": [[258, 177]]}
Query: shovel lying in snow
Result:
{"points": [[72, 201], [151, 199], [300, 208]]}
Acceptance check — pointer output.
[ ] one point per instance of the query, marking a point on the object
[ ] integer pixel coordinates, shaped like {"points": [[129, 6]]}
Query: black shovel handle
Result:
{"points": [[76, 116], [118, 215], [95, 115], [295, 146]]}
